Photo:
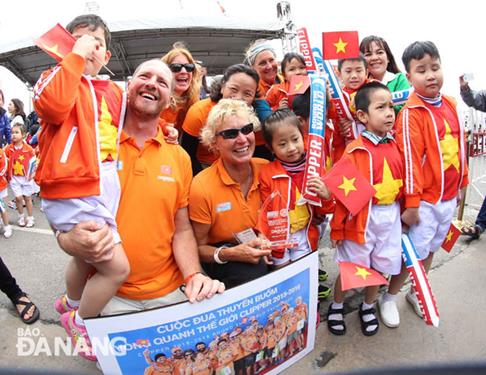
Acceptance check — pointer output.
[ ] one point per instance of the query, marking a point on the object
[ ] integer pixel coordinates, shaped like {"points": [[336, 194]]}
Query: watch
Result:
{"points": [[216, 255]]}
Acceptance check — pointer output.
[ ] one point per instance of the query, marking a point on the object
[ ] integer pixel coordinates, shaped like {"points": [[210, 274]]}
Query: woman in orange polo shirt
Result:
{"points": [[187, 85], [238, 82], [225, 198]]}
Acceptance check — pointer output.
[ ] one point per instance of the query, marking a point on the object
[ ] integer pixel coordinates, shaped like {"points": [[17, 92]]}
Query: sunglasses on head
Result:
{"points": [[233, 133], [176, 68]]}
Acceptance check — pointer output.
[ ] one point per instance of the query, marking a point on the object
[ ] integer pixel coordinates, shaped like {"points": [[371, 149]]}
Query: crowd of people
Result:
{"points": [[198, 204]]}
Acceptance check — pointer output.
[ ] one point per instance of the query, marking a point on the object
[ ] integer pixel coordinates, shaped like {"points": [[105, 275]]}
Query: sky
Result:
{"points": [[457, 29]]}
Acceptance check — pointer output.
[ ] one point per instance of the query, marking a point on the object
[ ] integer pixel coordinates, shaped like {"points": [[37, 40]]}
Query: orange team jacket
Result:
{"points": [[273, 177], [18, 159], [71, 134], [344, 226], [3, 170], [263, 86], [425, 150], [276, 93]]}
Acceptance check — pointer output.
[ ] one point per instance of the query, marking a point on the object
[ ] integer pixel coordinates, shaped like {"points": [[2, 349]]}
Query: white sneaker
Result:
{"points": [[389, 313], [21, 222], [30, 222], [413, 300], [7, 231]]}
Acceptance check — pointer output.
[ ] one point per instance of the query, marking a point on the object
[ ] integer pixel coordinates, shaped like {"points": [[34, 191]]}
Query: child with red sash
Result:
{"points": [[432, 141], [292, 64], [372, 237], [7, 228], [19, 155]]}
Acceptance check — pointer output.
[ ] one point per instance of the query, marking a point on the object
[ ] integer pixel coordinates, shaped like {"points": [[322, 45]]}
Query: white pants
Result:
{"points": [[382, 250], [21, 186]]}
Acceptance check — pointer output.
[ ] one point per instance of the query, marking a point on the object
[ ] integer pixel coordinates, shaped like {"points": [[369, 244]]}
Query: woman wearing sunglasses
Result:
{"points": [[225, 198], [187, 85], [238, 82]]}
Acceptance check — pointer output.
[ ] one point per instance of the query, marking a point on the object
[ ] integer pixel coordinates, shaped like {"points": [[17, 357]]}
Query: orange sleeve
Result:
{"points": [[194, 121], [199, 206], [409, 137], [56, 91], [275, 95]]}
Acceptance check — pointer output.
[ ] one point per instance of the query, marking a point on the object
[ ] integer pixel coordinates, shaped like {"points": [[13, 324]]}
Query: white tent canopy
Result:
{"points": [[217, 42]]}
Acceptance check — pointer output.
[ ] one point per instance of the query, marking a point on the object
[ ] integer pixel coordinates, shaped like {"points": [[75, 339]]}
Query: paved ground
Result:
{"points": [[457, 280]]}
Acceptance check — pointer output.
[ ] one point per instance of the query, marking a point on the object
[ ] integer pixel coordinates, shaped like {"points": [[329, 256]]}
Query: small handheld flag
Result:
{"points": [[57, 42], [340, 45], [349, 186], [356, 276], [450, 240], [420, 282]]}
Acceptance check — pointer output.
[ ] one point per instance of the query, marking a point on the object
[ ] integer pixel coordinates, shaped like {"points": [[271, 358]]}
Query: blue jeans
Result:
{"points": [[481, 219]]}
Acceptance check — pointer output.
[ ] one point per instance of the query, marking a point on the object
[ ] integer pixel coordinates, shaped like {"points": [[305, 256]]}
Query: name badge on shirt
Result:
{"points": [[222, 207]]}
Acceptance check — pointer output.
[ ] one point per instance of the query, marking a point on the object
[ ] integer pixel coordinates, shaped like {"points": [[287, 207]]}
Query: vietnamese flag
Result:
{"points": [[355, 276], [340, 45], [57, 42], [451, 238], [349, 186], [298, 85]]}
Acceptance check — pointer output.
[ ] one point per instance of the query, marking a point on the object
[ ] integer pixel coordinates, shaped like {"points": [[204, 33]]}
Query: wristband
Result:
{"points": [[189, 278], [217, 259]]}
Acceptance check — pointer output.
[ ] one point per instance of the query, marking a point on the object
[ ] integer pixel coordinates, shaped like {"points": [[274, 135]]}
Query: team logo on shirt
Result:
{"points": [[166, 170], [222, 207]]}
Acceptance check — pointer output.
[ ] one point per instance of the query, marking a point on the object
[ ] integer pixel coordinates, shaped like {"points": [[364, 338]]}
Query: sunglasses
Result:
{"points": [[176, 68], [233, 133]]}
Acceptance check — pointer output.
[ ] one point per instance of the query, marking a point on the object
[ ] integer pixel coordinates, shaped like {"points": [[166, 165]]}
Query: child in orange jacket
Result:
{"points": [[292, 64], [371, 238], [19, 155], [353, 73], [77, 173], [431, 139]]}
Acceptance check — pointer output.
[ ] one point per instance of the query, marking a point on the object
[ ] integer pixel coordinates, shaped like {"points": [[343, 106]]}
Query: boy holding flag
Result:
{"points": [[371, 237]]}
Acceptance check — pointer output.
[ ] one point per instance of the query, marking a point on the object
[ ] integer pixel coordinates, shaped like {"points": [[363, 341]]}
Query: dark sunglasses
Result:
{"points": [[233, 133], [176, 68]]}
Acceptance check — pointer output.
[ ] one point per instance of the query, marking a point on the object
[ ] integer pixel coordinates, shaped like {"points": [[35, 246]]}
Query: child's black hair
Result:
{"points": [[362, 97], [92, 21], [274, 120], [301, 103], [21, 126], [359, 58], [289, 56], [417, 51]]}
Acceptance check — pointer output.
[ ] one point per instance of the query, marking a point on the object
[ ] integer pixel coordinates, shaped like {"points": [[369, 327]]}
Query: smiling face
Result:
{"points": [[240, 86], [149, 89], [101, 56], [425, 75], [182, 79], [295, 67], [237, 151], [377, 60], [266, 66], [380, 117]]}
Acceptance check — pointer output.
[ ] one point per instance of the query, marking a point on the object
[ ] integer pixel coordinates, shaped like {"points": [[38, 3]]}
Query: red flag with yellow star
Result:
{"points": [[355, 276], [340, 45], [349, 186], [450, 240], [57, 42], [298, 85]]}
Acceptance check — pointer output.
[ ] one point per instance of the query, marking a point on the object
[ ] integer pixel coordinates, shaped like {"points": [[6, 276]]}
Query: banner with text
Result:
{"points": [[263, 326]]}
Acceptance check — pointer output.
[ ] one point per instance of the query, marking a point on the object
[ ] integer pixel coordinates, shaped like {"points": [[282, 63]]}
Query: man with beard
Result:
{"points": [[152, 216]]}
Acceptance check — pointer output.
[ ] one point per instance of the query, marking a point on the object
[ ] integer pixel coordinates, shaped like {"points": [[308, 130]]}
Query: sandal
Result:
{"points": [[25, 310], [336, 322], [473, 231], [372, 322]]}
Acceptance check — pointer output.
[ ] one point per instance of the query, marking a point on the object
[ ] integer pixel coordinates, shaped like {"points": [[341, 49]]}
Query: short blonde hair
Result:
{"points": [[226, 108]]}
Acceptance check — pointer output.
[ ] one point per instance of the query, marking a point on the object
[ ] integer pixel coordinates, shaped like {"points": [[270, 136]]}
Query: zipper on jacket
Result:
{"points": [[69, 145]]}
